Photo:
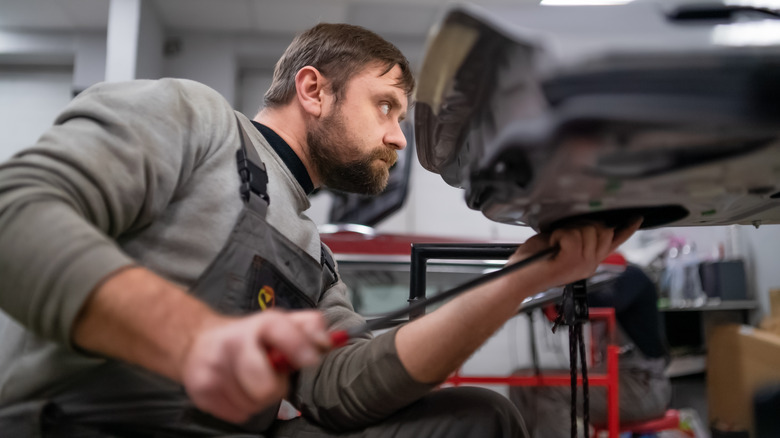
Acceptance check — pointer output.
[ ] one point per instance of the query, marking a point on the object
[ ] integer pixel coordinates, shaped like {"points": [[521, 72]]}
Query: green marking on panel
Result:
{"points": [[613, 186]]}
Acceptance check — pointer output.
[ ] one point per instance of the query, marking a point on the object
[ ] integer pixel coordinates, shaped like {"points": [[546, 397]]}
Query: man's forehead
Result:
{"points": [[391, 75], [396, 77], [379, 80]]}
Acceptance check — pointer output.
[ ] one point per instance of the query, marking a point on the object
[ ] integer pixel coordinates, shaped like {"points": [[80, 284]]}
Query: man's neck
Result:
{"points": [[289, 124]]}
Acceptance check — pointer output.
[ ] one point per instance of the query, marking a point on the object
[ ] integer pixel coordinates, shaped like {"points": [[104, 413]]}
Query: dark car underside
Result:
{"points": [[550, 115]]}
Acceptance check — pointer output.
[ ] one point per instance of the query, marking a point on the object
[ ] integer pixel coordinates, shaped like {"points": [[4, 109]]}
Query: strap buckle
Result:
{"points": [[573, 308], [254, 178]]}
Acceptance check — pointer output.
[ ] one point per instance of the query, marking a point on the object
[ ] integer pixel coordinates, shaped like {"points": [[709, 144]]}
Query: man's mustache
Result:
{"points": [[386, 154]]}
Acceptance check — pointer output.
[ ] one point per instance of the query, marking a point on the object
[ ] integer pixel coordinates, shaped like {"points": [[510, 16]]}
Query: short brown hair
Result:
{"points": [[338, 51]]}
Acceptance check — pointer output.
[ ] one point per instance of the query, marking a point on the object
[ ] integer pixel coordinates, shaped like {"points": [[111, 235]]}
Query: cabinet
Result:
{"points": [[687, 331]]}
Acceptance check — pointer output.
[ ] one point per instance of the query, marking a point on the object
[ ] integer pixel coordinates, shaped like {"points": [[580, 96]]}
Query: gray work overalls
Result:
{"points": [[257, 268]]}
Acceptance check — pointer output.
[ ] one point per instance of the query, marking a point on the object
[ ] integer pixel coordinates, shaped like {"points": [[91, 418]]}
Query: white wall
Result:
{"points": [[150, 44], [252, 84], [25, 47], [84, 52], [90, 62], [761, 248], [39, 72], [205, 58], [30, 99]]}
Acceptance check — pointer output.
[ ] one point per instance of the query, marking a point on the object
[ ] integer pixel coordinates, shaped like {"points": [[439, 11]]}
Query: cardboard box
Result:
{"points": [[774, 303], [740, 360], [771, 325]]}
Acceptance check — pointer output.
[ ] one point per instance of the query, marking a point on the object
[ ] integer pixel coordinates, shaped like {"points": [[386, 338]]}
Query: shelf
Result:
{"points": [[686, 365], [713, 305]]}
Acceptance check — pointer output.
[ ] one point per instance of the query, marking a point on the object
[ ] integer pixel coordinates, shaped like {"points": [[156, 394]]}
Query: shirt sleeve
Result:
{"points": [[359, 384], [112, 161]]}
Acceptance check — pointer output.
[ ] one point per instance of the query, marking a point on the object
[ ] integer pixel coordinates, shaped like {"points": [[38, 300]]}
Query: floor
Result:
{"points": [[691, 392]]}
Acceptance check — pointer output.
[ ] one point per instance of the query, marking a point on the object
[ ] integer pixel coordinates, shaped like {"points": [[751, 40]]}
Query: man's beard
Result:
{"points": [[329, 141]]}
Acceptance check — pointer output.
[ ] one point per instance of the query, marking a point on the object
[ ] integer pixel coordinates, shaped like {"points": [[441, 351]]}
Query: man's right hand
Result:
{"points": [[227, 371], [223, 362]]}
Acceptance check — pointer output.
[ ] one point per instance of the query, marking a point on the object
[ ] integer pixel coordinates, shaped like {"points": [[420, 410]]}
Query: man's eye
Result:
{"points": [[385, 108]]}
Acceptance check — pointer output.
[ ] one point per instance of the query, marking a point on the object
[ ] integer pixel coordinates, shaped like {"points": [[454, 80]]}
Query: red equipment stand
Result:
{"points": [[609, 379], [422, 252]]}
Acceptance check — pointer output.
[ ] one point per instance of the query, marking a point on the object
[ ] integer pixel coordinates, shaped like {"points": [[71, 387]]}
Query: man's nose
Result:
{"points": [[395, 137]]}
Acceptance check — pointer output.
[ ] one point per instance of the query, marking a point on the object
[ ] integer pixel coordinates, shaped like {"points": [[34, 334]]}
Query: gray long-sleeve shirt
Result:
{"points": [[144, 173]]}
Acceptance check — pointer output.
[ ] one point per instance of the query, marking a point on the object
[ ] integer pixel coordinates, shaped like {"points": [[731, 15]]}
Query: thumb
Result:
{"points": [[622, 234]]}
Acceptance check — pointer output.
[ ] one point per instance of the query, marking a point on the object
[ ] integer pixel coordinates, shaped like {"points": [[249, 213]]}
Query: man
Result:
{"points": [[135, 256]]}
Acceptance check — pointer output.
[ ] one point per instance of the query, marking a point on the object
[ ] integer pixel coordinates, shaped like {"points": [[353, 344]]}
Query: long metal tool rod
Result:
{"points": [[388, 319]]}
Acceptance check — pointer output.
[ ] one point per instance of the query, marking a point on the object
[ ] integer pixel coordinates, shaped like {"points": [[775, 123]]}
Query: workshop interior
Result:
{"points": [[529, 115]]}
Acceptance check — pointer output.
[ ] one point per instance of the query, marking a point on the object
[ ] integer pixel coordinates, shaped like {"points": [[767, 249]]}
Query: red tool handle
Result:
{"points": [[280, 363]]}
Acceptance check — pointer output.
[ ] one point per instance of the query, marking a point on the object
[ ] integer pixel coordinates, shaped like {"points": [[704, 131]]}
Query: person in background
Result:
{"points": [[644, 390], [154, 249]]}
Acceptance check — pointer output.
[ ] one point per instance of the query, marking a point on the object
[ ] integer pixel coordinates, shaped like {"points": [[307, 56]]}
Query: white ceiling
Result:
{"points": [[387, 17]]}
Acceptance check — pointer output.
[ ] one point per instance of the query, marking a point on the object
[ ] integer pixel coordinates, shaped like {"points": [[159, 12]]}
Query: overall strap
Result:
{"points": [[329, 274], [254, 178], [254, 193]]}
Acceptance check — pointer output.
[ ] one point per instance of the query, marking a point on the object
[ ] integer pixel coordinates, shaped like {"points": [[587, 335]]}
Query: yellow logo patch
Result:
{"points": [[265, 298]]}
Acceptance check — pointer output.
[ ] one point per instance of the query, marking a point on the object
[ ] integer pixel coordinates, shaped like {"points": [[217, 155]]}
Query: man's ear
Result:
{"points": [[310, 88]]}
